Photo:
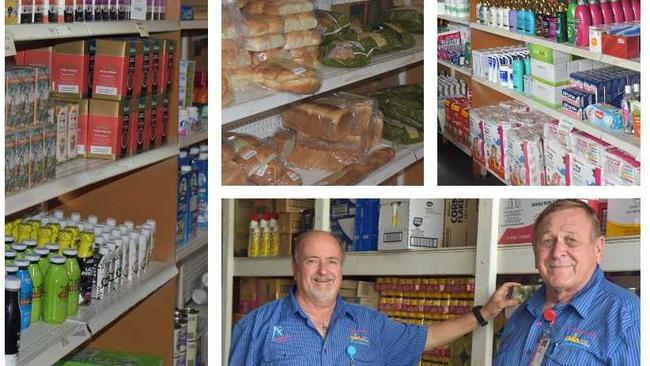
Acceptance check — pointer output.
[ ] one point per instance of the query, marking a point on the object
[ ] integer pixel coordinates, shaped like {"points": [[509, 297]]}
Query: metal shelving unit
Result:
{"points": [[485, 262], [36, 32], [253, 100], [80, 173], [627, 143], [41, 343], [582, 52], [458, 20]]}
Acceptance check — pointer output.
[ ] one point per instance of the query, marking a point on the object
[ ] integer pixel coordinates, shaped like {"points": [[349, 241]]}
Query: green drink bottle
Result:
{"points": [[74, 275], [31, 244], [20, 249], [10, 257], [37, 285], [55, 292], [44, 262], [53, 248]]}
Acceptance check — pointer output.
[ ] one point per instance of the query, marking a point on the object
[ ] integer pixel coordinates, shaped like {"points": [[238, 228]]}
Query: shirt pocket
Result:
{"points": [[283, 356], [568, 354], [367, 356]]}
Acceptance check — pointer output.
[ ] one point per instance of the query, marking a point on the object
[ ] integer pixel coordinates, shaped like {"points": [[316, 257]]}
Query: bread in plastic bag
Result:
{"points": [[282, 75], [305, 38], [354, 173], [233, 55], [300, 22], [305, 56], [289, 177], [232, 174], [261, 25], [316, 158], [409, 19], [267, 174], [233, 24], [226, 96], [264, 43], [333, 25], [287, 7], [284, 141]]}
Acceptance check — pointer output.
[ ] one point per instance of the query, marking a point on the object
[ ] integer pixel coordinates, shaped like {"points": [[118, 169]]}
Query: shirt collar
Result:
{"points": [[581, 301], [341, 308]]}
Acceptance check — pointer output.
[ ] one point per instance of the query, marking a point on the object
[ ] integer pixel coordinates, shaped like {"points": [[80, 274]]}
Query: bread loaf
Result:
{"points": [[264, 56], [287, 7], [284, 141], [232, 174], [225, 91], [261, 25], [353, 174], [226, 153], [299, 22], [310, 158], [234, 58], [263, 43], [267, 174], [300, 39], [297, 79], [252, 157], [289, 177], [305, 56]]}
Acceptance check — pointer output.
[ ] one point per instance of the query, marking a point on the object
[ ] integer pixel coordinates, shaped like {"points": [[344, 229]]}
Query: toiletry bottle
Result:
{"points": [[595, 12], [606, 9], [530, 20], [539, 14], [571, 21], [617, 11], [561, 24], [478, 12], [521, 18], [628, 12], [636, 9], [552, 22], [505, 21], [518, 75], [582, 21], [512, 21]]}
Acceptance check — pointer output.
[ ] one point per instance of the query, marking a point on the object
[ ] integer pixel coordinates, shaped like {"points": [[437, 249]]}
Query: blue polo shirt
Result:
{"points": [[599, 326], [280, 333]]}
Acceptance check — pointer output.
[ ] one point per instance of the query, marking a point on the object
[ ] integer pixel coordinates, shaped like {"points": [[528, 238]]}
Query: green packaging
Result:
{"points": [[55, 292], [95, 357]]}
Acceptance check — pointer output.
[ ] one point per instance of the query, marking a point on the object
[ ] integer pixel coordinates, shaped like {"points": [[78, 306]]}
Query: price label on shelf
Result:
{"points": [[10, 47], [139, 9], [142, 29]]}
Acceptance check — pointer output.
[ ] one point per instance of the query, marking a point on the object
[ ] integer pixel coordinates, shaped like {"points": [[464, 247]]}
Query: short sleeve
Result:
{"points": [[242, 350], [403, 344], [628, 351]]}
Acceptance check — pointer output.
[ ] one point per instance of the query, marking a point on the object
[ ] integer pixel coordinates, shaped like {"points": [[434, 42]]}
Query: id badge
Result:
{"points": [[542, 346]]}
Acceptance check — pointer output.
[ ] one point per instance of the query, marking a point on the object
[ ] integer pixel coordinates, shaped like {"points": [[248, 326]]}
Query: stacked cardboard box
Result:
{"points": [[360, 292]]}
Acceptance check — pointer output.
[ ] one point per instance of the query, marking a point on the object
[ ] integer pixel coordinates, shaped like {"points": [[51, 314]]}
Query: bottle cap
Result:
{"points": [[33, 258], [21, 263], [92, 219], [30, 242], [10, 254], [12, 282], [71, 252], [11, 269], [57, 259], [41, 251], [19, 247]]}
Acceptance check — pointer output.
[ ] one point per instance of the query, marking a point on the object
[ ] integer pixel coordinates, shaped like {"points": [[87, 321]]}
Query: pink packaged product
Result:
{"points": [[514, 106], [560, 133], [524, 157], [620, 169], [584, 172], [495, 132], [557, 164], [477, 136], [590, 148]]}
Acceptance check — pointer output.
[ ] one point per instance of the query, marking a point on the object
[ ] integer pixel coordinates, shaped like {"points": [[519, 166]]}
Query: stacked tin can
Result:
{"points": [[185, 336]]}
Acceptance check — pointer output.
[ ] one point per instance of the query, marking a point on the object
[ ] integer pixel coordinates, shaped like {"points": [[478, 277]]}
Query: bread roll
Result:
{"points": [[353, 174], [299, 22], [261, 25], [226, 153], [284, 141], [310, 158], [287, 7], [307, 56], [263, 43], [302, 39], [297, 80], [264, 56], [254, 7], [232, 174], [234, 58]]}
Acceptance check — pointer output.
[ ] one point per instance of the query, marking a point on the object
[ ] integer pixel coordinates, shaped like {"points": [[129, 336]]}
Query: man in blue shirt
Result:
{"points": [[581, 317], [314, 326]]}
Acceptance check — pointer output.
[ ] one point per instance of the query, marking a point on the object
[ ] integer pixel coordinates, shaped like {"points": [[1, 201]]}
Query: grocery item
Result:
{"points": [[74, 275], [410, 224], [12, 319], [285, 75], [37, 286], [25, 293], [55, 292]]}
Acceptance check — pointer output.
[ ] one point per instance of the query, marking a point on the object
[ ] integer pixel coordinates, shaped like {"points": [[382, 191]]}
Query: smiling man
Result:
{"points": [[577, 317], [314, 326]]}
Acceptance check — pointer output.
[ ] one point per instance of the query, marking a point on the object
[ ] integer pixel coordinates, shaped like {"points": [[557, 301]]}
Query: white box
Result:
{"points": [[411, 224], [584, 64], [516, 219], [584, 172], [623, 217], [547, 94], [551, 74], [596, 38], [557, 164]]}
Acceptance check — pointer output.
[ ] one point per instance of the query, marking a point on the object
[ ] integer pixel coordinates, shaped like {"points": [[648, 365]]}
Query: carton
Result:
{"points": [[584, 172], [145, 75], [70, 64], [516, 219], [547, 94], [623, 217], [36, 156], [155, 120], [552, 74], [118, 69], [49, 148], [410, 224], [461, 223], [495, 131], [61, 118], [154, 73], [620, 168], [72, 130], [11, 162], [342, 219], [293, 205], [289, 223], [185, 83], [162, 114], [286, 243], [22, 150], [166, 72], [108, 129], [546, 54], [138, 122], [42, 96], [25, 11], [82, 128], [524, 157], [557, 164], [366, 224]]}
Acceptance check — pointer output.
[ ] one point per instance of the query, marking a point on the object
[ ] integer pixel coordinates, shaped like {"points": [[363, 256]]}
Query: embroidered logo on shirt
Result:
{"points": [[359, 339], [575, 339], [278, 335]]}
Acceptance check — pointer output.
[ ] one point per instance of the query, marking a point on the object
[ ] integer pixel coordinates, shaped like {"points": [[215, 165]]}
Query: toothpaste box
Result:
{"points": [[108, 129], [620, 168], [623, 217], [70, 64], [516, 219], [584, 172], [577, 97], [547, 94], [411, 224], [557, 164], [573, 111]]}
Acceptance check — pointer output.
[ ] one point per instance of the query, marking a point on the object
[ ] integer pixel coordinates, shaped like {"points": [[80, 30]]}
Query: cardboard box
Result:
{"points": [[185, 83], [49, 147], [36, 156], [163, 117], [61, 118], [108, 129], [118, 69], [596, 33], [410, 224], [516, 219], [372, 303], [547, 94], [22, 159], [366, 224], [156, 120], [552, 74], [82, 127], [166, 72], [137, 126], [342, 218], [42, 56], [95, 357], [286, 244], [156, 52], [76, 111], [70, 65], [42, 102], [623, 217], [546, 54], [293, 205], [627, 47], [145, 75], [289, 223], [461, 223]]}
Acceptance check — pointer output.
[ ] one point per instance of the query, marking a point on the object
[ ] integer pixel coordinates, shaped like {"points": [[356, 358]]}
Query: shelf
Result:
{"points": [[81, 172], [194, 24], [619, 255], [101, 313], [42, 344], [461, 69], [34, 32], [253, 99], [193, 138], [447, 261], [627, 143], [582, 52], [194, 245], [460, 146], [454, 19]]}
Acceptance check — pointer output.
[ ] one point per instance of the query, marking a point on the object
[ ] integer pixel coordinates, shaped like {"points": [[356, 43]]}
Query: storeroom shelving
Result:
{"points": [[38, 32], [461, 69], [452, 19]]}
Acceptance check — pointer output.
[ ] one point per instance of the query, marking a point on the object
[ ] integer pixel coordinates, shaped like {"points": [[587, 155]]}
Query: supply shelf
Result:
{"points": [[37, 32]]}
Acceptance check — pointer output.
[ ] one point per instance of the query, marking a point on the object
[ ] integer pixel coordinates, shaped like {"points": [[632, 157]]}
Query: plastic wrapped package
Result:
{"points": [[333, 25], [261, 25], [300, 39], [524, 157], [306, 56], [409, 19], [232, 174], [284, 141], [403, 103], [300, 22], [557, 164], [226, 96], [314, 153], [345, 53], [289, 177], [399, 38], [233, 55], [266, 174], [264, 43], [226, 153], [233, 24], [352, 174], [280, 74], [621, 169], [477, 135]]}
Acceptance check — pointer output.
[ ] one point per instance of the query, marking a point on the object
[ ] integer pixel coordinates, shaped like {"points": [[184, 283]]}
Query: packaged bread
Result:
{"points": [[314, 158], [239, 142], [267, 174], [287, 7], [302, 39], [226, 153], [346, 152], [289, 177], [233, 24], [234, 58], [263, 43], [232, 174], [354, 173], [300, 22], [282, 75], [251, 158], [261, 25], [284, 141], [225, 91], [345, 53], [306, 56]]}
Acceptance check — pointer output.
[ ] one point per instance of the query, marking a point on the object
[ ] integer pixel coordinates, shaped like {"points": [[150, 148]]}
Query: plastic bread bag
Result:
{"points": [[318, 157], [409, 19], [401, 133], [403, 103], [289, 177], [279, 74], [226, 95], [233, 24], [401, 39], [333, 26], [347, 54], [354, 173], [267, 173], [284, 141], [233, 174]]}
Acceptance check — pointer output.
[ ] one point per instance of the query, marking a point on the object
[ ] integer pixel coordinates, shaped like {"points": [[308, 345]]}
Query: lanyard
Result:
{"points": [[351, 351], [545, 339]]}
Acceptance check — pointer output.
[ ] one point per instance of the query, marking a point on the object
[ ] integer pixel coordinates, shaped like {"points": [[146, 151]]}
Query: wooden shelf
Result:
{"points": [[461, 69], [193, 138], [194, 24], [36, 32]]}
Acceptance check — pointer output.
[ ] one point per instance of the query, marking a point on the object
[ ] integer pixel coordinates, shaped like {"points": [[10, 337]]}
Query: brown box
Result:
{"points": [[118, 69], [108, 129], [261, 206], [461, 223], [358, 289], [286, 244], [166, 71], [138, 123], [289, 223], [70, 65], [293, 205]]}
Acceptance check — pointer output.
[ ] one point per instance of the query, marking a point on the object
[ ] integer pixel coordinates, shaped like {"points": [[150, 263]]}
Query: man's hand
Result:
{"points": [[499, 301]]}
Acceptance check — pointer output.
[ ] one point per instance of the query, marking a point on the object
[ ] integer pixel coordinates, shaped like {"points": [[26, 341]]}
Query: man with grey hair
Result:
{"points": [[314, 326], [577, 317]]}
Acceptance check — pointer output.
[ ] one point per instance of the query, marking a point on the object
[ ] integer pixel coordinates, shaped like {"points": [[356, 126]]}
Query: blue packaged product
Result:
{"points": [[182, 204], [366, 224], [183, 159], [577, 97], [573, 111], [193, 201], [202, 211], [25, 293], [605, 116], [342, 212]]}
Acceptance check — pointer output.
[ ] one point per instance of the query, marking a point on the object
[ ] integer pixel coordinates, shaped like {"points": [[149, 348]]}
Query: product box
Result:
{"points": [[516, 219], [118, 69], [547, 94], [411, 224], [590, 148], [623, 217], [286, 243], [185, 83], [552, 74], [10, 161], [156, 119], [549, 55], [145, 75], [289, 223], [461, 223], [42, 96], [166, 73], [620, 169], [366, 224], [154, 73], [95, 357], [138, 122], [494, 145], [557, 164], [82, 128], [36, 156], [360, 289], [108, 129], [524, 158], [293, 205], [627, 47], [49, 147], [74, 114], [11, 12], [596, 33], [342, 218], [584, 172], [41, 56], [21, 155], [25, 11], [162, 114], [92, 52], [70, 62], [477, 137], [61, 117]]}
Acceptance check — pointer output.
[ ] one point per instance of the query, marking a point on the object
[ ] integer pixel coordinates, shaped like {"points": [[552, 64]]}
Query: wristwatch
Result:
{"points": [[476, 310]]}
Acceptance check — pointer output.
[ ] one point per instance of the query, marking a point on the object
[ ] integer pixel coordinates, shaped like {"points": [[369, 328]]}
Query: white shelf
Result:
{"points": [[194, 24], [460, 146], [461, 69], [34, 32], [627, 143], [405, 155], [193, 138], [564, 47], [102, 312], [454, 19], [196, 244], [254, 99], [619, 255], [43, 344], [446, 261], [81, 172]]}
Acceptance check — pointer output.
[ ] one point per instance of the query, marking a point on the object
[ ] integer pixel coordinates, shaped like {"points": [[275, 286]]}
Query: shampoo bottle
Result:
{"points": [[627, 10], [617, 11], [636, 9], [582, 22], [561, 31], [595, 12], [606, 9], [571, 21]]}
